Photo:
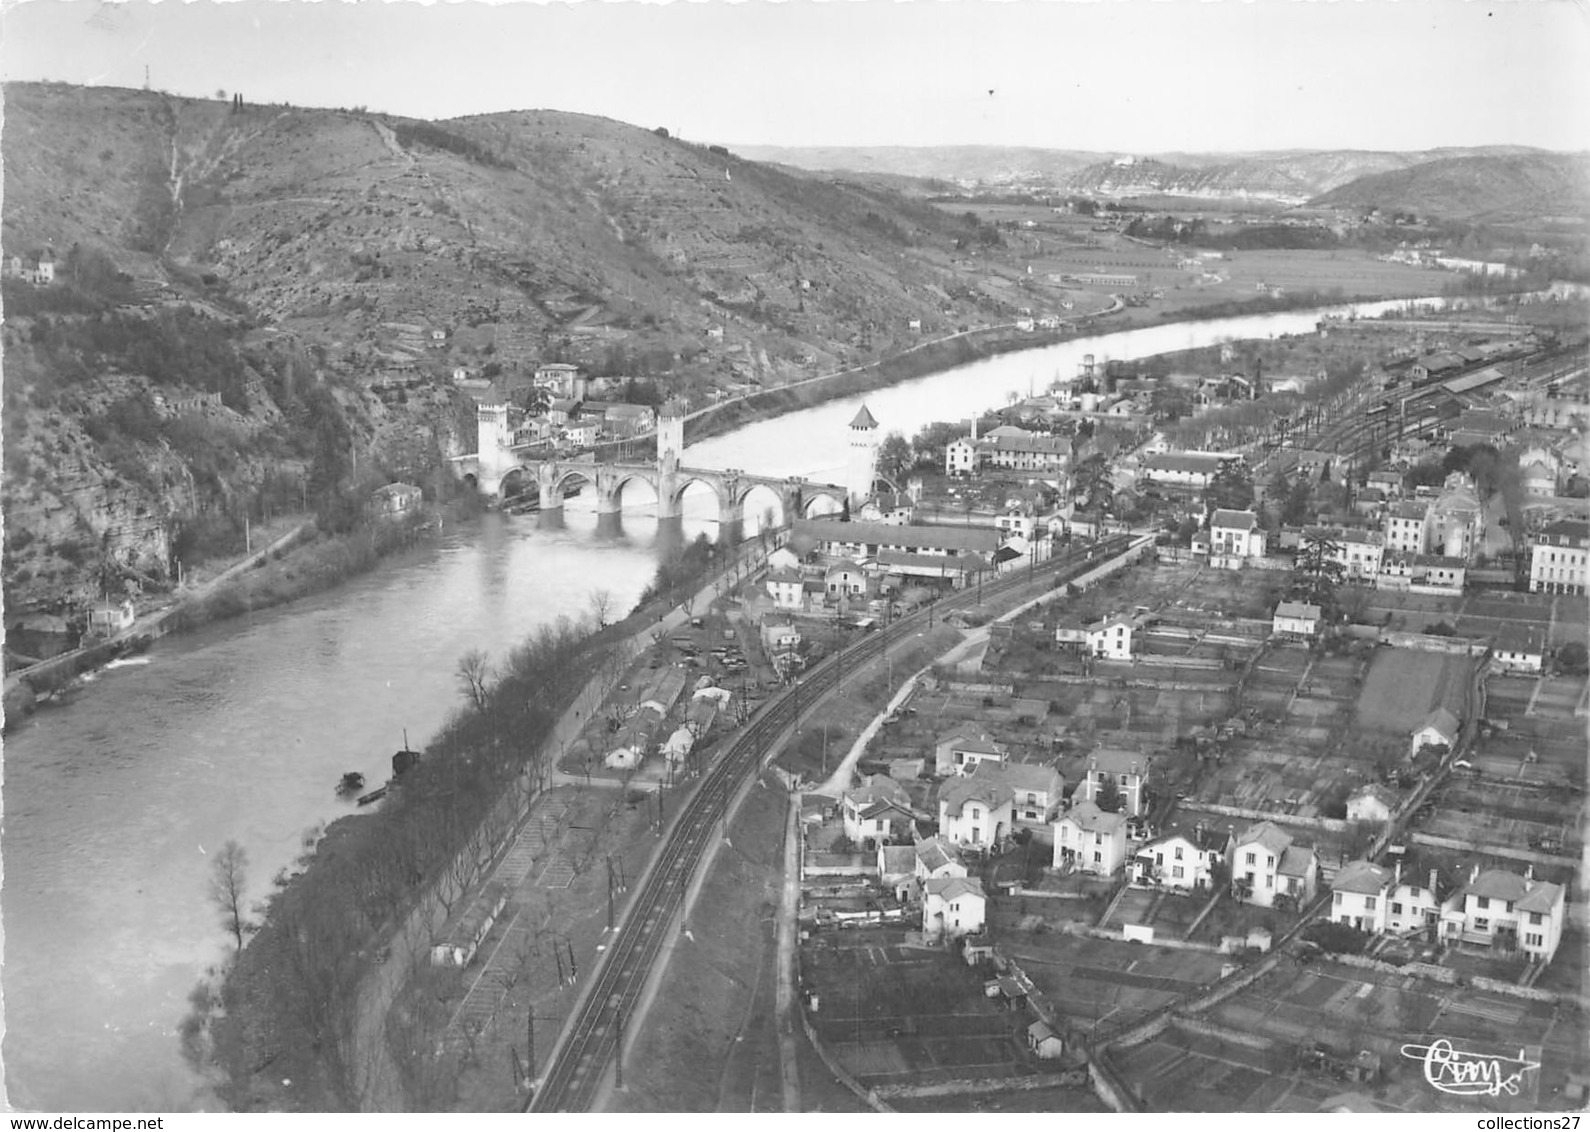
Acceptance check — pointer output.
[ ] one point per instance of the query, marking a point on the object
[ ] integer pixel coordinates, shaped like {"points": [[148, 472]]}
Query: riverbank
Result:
{"points": [[300, 564], [348, 929]]}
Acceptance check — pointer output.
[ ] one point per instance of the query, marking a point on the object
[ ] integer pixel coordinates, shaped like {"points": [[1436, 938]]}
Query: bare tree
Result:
{"points": [[474, 671], [228, 878], [601, 605]]}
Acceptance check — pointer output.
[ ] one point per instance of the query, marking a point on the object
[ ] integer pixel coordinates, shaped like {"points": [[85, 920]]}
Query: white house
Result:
{"points": [[107, 618], [1111, 637], [779, 637], [1128, 770], [1372, 803], [846, 579], [1506, 911], [1361, 896], [1559, 558], [1357, 552], [786, 587], [1295, 619], [1036, 792], [1181, 861], [975, 809], [1184, 469], [952, 906], [1405, 526], [783, 558], [1519, 647], [1234, 537], [1087, 838], [1440, 728], [1266, 864], [961, 457], [963, 749], [878, 810], [1414, 907]]}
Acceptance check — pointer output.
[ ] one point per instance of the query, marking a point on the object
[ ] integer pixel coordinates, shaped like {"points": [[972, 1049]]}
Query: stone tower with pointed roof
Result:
{"points": [[862, 468]]}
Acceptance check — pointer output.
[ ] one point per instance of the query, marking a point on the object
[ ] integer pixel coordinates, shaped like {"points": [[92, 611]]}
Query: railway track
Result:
{"points": [[580, 1060]]}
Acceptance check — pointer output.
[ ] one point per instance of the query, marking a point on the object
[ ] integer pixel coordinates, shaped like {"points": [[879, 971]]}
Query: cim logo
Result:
{"points": [[1465, 1074]]}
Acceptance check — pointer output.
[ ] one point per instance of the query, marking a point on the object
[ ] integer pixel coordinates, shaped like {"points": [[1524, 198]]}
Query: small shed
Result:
{"points": [[1043, 1041]]}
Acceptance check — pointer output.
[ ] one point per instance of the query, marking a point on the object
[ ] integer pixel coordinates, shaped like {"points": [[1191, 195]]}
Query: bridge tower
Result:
{"points": [[862, 468], [670, 436], [670, 449], [492, 442]]}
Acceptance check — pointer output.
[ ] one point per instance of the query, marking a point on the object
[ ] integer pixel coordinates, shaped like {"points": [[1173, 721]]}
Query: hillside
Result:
{"points": [[340, 267], [1491, 188]]}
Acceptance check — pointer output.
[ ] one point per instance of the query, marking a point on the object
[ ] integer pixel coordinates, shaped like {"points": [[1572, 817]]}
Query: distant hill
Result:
{"points": [[1516, 186], [962, 165], [1287, 177]]}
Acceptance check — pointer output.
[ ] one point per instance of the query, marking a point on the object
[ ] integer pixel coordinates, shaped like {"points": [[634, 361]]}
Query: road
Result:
{"points": [[586, 1048]]}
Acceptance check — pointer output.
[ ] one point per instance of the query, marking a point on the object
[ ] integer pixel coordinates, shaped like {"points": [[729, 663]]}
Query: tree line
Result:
{"points": [[292, 992]]}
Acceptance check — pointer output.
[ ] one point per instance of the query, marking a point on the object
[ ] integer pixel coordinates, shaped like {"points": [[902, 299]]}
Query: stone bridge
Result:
{"points": [[499, 468], [555, 478]]}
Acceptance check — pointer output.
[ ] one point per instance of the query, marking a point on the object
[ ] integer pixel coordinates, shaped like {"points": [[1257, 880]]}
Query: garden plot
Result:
{"points": [[1405, 685], [1182, 1072], [1506, 816], [1349, 1008], [1103, 982], [901, 1015]]}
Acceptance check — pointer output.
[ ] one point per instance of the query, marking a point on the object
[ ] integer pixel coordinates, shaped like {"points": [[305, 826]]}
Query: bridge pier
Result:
{"points": [[551, 514], [610, 524], [731, 520], [667, 500]]}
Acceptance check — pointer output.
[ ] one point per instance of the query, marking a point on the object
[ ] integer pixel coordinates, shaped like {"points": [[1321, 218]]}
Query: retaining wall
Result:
{"points": [[1333, 825]]}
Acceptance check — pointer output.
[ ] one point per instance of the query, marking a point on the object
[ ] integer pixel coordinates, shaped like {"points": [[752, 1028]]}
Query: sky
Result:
{"points": [[1125, 76]]}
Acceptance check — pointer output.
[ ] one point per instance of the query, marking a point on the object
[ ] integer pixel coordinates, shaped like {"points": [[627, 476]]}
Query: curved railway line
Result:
{"points": [[589, 1039]]}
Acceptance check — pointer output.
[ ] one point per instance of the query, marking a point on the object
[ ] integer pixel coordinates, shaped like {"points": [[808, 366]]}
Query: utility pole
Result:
{"points": [[618, 1049], [610, 892]]}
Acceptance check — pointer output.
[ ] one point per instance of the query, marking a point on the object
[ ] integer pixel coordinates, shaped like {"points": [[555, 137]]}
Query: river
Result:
{"points": [[116, 801]]}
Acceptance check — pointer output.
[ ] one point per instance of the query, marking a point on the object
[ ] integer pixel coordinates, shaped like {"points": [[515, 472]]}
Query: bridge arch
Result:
{"points": [[515, 481], [816, 502], [566, 478], [625, 479], [684, 483], [756, 502]]}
